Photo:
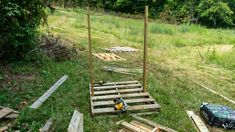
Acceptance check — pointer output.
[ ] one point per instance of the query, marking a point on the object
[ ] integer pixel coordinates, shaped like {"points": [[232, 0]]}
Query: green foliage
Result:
{"points": [[215, 11], [210, 13], [18, 29], [225, 60]]}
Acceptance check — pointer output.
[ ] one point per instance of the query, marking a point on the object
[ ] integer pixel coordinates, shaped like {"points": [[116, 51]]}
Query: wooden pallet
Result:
{"points": [[108, 57], [130, 91], [121, 49]]}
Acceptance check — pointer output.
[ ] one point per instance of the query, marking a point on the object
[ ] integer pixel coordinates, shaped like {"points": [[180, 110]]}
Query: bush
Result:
{"points": [[19, 26]]}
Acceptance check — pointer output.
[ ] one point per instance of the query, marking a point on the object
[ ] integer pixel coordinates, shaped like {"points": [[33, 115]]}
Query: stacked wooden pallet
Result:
{"points": [[142, 125], [108, 57], [130, 91]]}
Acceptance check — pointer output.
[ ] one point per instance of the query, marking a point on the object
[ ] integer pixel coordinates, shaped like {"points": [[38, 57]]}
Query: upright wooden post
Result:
{"points": [[90, 51], [145, 48]]}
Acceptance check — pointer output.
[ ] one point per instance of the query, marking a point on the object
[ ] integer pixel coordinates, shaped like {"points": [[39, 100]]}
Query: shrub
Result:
{"points": [[19, 26]]}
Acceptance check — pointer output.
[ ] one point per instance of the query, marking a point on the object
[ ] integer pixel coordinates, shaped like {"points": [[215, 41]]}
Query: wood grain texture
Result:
{"points": [[48, 93], [199, 124], [76, 123]]}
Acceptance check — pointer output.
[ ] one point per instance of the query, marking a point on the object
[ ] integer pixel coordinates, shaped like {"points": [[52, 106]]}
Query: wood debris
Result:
{"points": [[142, 125], [47, 126], [48, 93], [130, 91], [199, 124], [8, 113], [121, 49], [108, 57], [123, 70], [76, 123]]}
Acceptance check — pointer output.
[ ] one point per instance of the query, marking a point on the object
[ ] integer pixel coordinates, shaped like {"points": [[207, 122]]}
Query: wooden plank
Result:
{"points": [[119, 91], [46, 95], [47, 126], [11, 116], [128, 101], [76, 123], [142, 126], [199, 124], [153, 124], [117, 83], [119, 96], [5, 111], [118, 86], [131, 108], [131, 127], [2, 129]]}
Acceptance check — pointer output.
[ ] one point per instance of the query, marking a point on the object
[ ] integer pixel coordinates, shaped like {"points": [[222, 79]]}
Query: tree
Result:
{"points": [[215, 12], [19, 26]]}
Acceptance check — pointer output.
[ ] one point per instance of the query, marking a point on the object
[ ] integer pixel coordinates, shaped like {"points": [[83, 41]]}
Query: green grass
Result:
{"points": [[176, 56]]}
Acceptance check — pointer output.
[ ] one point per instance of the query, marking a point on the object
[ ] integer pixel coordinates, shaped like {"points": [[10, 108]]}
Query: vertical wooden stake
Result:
{"points": [[145, 48], [90, 51]]}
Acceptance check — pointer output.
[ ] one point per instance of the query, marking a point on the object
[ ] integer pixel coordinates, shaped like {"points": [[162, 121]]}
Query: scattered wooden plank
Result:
{"points": [[120, 96], [47, 126], [128, 101], [5, 111], [199, 124], [131, 127], [108, 57], [142, 126], [76, 123], [2, 129], [214, 92], [11, 116], [131, 108], [48, 93], [153, 124]]}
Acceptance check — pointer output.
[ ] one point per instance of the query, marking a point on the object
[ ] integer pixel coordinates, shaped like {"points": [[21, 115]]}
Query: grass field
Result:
{"points": [[178, 55]]}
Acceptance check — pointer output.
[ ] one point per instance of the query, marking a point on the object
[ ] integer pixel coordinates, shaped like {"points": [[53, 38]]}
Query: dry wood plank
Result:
{"points": [[48, 93], [131, 108], [117, 86], [16, 112], [108, 57], [2, 129], [76, 123], [131, 127], [119, 96], [128, 101], [5, 111], [121, 49], [199, 124], [153, 124], [47, 126], [117, 83], [11, 116], [119, 91], [142, 126]]}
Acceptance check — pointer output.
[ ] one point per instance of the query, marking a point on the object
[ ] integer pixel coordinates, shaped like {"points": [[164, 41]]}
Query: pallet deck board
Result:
{"points": [[120, 91], [131, 91], [128, 101], [108, 57], [118, 86]]}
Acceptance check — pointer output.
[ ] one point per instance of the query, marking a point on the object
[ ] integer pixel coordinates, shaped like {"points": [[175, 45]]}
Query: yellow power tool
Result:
{"points": [[120, 104]]}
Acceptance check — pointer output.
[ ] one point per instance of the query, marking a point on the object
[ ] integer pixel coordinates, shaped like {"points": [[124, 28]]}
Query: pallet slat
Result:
{"points": [[115, 91], [128, 101], [117, 83], [119, 96], [118, 86], [131, 108]]}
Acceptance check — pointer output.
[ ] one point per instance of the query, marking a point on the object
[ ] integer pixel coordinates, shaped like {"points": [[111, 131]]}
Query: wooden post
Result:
{"points": [[145, 48], [90, 51]]}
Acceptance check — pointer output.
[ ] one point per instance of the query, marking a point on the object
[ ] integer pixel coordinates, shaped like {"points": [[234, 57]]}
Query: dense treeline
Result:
{"points": [[212, 13]]}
